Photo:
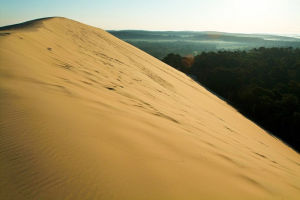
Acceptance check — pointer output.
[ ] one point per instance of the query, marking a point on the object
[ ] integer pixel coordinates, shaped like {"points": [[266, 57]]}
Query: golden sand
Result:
{"points": [[84, 115]]}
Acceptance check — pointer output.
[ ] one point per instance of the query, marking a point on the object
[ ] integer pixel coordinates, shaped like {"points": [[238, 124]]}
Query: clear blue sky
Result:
{"points": [[247, 16]]}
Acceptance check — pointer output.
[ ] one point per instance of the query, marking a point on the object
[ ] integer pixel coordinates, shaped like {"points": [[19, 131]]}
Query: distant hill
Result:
{"points": [[161, 43]]}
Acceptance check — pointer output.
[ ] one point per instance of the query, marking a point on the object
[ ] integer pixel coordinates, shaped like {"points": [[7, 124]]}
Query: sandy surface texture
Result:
{"points": [[84, 115]]}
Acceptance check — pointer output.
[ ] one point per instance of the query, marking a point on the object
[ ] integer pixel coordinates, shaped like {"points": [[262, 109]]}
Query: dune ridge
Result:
{"points": [[85, 115]]}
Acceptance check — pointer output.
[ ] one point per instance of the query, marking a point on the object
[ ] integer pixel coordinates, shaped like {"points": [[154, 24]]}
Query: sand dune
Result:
{"points": [[84, 115]]}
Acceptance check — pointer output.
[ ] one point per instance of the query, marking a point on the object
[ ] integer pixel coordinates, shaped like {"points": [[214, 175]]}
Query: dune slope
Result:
{"points": [[84, 115]]}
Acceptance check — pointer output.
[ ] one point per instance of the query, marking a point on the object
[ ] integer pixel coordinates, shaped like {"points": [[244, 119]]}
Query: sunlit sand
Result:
{"points": [[84, 115]]}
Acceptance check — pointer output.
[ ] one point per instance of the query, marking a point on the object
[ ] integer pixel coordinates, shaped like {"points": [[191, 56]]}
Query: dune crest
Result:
{"points": [[85, 115]]}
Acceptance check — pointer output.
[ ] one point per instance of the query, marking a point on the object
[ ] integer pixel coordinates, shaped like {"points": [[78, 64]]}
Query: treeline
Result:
{"points": [[263, 84], [161, 43]]}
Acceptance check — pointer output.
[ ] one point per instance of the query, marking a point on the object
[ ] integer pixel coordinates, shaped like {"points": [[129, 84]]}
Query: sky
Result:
{"points": [[236, 16]]}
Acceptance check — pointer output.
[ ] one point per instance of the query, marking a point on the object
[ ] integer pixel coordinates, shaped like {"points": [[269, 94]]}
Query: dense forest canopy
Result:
{"points": [[263, 84]]}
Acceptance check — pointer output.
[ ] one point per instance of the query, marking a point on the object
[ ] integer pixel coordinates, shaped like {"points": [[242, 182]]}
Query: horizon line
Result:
{"points": [[160, 30]]}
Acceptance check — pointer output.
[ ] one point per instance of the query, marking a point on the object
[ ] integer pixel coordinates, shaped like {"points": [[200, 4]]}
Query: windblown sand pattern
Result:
{"points": [[84, 115]]}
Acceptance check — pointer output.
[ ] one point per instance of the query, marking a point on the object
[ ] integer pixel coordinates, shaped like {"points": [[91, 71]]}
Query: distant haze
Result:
{"points": [[238, 16]]}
